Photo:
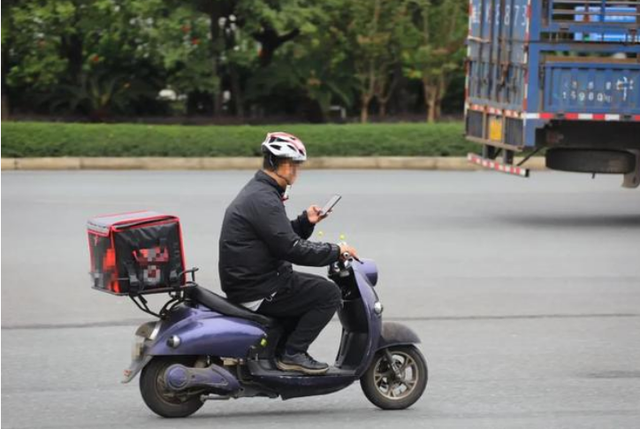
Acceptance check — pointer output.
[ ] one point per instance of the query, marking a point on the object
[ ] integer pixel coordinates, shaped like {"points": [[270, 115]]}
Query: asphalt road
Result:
{"points": [[526, 294]]}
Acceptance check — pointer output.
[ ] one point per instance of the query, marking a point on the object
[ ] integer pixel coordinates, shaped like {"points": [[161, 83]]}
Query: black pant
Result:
{"points": [[311, 301]]}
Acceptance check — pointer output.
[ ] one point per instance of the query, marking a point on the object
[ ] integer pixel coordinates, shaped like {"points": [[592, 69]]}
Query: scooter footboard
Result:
{"points": [[396, 334]]}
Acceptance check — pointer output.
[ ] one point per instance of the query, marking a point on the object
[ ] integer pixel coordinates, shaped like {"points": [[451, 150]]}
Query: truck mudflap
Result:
{"points": [[632, 180]]}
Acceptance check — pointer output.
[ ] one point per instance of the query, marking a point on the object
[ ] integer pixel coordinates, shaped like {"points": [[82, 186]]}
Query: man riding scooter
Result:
{"points": [[258, 245]]}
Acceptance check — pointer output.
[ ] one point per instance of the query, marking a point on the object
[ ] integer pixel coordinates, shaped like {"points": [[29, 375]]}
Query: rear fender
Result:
{"points": [[145, 335], [135, 367]]}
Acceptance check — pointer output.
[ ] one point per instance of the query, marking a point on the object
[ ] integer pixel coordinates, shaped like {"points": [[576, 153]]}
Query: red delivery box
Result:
{"points": [[136, 253]]}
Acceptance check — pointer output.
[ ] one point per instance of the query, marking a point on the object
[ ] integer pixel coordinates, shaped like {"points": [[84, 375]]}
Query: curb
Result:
{"points": [[241, 163]]}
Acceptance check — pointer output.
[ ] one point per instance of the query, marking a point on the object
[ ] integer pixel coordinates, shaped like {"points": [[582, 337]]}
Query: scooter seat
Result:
{"points": [[219, 304]]}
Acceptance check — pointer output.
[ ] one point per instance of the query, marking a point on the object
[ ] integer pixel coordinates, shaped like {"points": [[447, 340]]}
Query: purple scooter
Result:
{"points": [[206, 348]]}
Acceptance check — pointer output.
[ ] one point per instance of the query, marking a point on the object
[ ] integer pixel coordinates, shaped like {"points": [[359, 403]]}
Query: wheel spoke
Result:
{"points": [[392, 392], [409, 383], [396, 378], [407, 362]]}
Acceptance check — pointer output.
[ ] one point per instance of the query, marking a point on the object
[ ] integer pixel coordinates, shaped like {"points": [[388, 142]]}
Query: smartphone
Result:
{"points": [[330, 204]]}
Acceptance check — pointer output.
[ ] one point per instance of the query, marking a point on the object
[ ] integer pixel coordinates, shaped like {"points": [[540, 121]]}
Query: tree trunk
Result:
{"points": [[5, 107], [364, 111], [430, 98], [5, 95], [442, 88], [383, 99], [270, 40], [71, 49], [236, 91], [383, 108], [431, 106], [216, 46]]}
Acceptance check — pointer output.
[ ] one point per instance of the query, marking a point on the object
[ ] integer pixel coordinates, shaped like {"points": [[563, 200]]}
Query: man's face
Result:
{"points": [[289, 169]]}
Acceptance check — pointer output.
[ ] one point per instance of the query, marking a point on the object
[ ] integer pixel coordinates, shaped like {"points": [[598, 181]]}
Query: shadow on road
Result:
{"points": [[571, 220], [281, 414]]}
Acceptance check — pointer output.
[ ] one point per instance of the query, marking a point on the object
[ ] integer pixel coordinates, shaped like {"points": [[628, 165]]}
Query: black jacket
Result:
{"points": [[258, 243]]}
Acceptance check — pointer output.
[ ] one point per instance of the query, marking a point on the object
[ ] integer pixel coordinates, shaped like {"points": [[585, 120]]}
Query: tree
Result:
{"points": [[377, 30], [108, 57], [271, 25], [68, 47], [439, 27], [179, 41]]}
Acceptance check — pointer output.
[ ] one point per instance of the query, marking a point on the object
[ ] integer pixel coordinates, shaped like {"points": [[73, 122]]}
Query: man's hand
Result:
{"points": [[314, 214], [345, 248]]}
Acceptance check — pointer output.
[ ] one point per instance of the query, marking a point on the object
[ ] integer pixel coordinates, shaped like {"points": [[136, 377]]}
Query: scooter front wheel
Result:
{"points": [[158, 397], [395, 384]]}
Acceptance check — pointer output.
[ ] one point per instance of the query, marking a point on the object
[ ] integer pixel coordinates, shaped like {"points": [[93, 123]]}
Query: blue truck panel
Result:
{"points": [[597, 89], [531, 62]]}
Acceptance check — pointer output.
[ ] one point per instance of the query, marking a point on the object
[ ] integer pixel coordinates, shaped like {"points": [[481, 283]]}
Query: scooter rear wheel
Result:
{"points": [[395, 390], [158, 397]]}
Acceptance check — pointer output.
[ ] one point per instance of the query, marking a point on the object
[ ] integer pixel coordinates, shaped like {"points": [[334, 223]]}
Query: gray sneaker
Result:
{"points": [[301, 362]]}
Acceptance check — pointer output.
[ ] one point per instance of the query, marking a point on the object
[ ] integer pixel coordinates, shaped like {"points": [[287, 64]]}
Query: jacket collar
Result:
{"points": [[263, 177]]}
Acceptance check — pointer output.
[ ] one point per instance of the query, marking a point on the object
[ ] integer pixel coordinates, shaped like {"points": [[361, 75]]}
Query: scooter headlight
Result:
{"points": [[377, 307]]}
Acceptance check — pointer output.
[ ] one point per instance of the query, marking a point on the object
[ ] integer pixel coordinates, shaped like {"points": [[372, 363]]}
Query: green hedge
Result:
{"points": [[38, 139]]}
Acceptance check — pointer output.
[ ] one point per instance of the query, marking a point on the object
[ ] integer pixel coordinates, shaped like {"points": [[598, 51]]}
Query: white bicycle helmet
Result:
{"points": [[284, 145]]}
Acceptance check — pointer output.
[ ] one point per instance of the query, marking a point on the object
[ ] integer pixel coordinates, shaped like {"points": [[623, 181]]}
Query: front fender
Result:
{"points": [[396, 334]]}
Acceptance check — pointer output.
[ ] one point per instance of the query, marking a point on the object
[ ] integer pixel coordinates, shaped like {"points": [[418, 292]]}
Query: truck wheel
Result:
{"points": [[389, 391], [158, 397], [591, 161]]}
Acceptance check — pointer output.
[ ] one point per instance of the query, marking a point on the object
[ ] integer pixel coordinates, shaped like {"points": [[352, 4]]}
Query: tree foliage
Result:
{"points": [[230, 57], [439, 31]]}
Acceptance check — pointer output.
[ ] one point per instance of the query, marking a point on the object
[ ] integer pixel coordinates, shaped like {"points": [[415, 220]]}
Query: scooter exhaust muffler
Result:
{"points": [[213, 378]]}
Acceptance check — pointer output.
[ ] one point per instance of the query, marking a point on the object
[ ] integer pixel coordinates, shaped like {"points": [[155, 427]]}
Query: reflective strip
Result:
{"points": [[493, 165], [527, 28], [547, 116]]}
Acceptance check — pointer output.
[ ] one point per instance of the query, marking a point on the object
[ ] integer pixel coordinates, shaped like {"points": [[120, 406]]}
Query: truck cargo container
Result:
{"points": [[558, 76]]}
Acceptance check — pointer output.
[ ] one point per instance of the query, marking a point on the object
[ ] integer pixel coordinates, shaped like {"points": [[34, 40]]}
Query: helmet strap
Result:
{"points": [[285, 196]]}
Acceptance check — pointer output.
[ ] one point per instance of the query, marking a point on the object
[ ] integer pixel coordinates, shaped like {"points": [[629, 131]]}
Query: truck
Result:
{"points": [[558, 77]]}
